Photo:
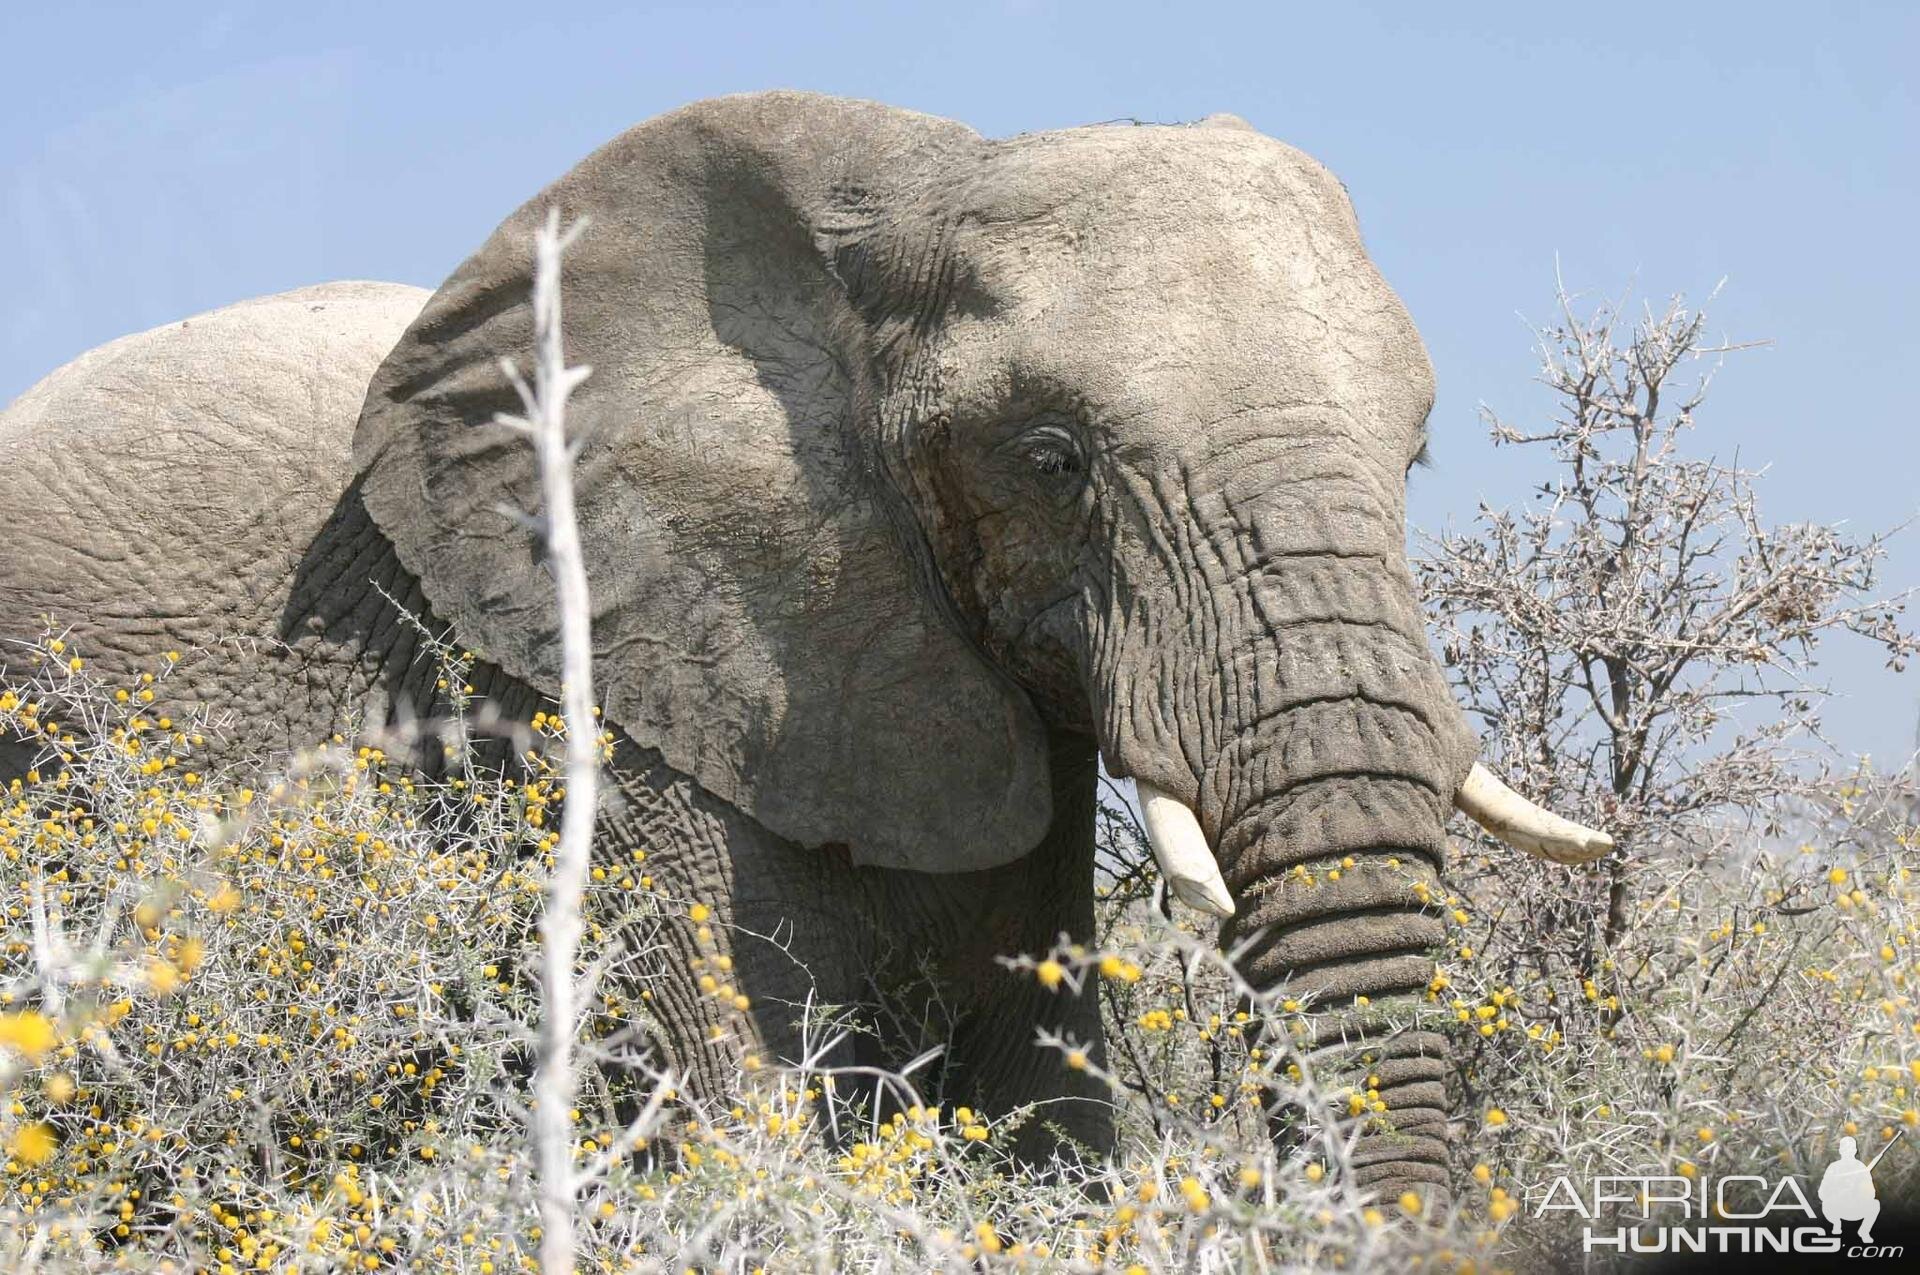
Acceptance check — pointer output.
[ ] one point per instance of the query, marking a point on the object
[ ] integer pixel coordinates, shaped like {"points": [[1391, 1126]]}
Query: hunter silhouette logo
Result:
{"points": [[1846, 1189]]}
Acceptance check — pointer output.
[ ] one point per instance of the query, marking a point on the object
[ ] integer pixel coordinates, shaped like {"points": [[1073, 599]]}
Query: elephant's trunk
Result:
{"points": [[1328, 860], [1297, 712], [1263, 673], [1349, 936], [1350, 942], [1334, 876]]}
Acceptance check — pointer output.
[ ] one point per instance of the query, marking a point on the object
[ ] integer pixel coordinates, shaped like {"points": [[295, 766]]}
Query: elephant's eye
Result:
{"points": [[1053, 453]]}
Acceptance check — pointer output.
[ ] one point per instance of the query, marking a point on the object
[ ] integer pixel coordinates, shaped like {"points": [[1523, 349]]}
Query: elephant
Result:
{"points": [[918, 474]]}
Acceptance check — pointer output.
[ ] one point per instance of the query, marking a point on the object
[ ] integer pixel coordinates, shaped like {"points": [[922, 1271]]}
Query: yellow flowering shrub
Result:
{"points": [[280, 1020]]}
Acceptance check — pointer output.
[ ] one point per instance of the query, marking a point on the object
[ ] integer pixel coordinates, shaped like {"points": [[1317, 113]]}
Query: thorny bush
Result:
{"points": [[286, 1027]]}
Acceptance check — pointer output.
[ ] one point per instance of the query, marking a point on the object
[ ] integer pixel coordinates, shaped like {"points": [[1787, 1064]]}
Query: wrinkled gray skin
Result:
{"points": [[918, 467]]}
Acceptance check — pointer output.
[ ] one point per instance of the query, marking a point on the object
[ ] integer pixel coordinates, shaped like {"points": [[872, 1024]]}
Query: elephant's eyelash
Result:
{"points": [[1054, 461], [1423, 457], [1053, 452]]}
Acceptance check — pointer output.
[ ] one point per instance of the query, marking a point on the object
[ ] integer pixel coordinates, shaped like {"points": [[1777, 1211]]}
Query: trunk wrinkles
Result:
{"points": [[1294, 702]]}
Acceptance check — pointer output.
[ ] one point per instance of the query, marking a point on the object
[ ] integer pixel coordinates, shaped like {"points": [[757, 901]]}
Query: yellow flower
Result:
{"points": [[32, 1144], [162, 976], [699, 912], [1077, 1059], [1049, 973], [30, 1033], [1410, 1203], [1838, 876], [1495, 1117]]}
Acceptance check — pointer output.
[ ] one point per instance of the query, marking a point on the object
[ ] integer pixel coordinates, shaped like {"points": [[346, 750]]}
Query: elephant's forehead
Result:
{"points": [[1153, 207], [1197, 269], [1153, 173]]}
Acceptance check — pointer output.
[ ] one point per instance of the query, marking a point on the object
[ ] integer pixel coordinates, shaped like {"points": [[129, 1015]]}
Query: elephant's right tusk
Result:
{"points": [[1180, 848], [1525, 826]]}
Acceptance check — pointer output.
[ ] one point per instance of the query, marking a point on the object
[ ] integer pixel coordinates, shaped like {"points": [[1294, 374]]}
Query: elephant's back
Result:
{"points": [[246, 379], [165, 485]]}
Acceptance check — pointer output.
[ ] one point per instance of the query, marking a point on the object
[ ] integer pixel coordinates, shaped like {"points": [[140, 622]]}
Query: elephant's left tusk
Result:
{"points": [[1525, 826], [1181, 850]]}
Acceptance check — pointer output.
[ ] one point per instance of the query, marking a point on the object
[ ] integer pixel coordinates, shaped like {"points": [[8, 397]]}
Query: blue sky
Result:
{"points": [[161, 159]]}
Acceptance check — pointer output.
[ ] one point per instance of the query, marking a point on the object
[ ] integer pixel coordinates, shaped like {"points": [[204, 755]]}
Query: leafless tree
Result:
{"points": [[1638, 642]]}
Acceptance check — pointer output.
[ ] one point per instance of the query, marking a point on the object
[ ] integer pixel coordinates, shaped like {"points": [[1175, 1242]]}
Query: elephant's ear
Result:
{"points": [[759, 614]]}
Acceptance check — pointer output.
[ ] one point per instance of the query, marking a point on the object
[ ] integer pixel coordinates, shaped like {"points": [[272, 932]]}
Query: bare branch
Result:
{"points": [[545, 402]]}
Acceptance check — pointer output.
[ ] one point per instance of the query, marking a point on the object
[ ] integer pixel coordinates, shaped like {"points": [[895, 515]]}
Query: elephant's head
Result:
{"points": [[903, 447]]}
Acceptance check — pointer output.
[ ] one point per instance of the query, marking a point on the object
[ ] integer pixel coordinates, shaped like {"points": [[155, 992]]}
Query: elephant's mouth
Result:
{"points": [[1192, 872]]}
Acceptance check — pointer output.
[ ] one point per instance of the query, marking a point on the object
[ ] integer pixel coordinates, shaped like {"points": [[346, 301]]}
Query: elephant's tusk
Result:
{"points": [[1180, 848], [1525, 826]]}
